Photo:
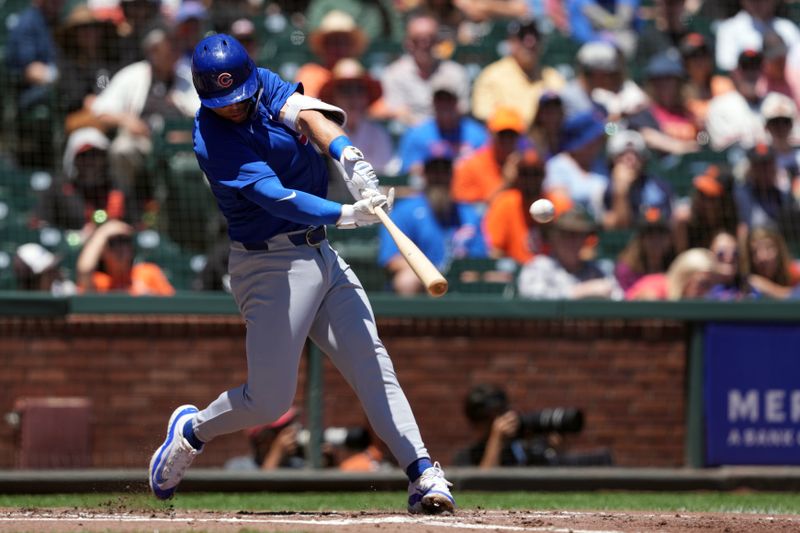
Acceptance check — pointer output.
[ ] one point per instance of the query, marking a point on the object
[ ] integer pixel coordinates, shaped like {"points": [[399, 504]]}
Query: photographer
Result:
{"points": [[505, 437], [273, 446]]}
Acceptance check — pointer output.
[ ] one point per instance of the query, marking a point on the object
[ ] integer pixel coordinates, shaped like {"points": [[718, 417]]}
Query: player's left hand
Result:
{"points": [[359, 176]]}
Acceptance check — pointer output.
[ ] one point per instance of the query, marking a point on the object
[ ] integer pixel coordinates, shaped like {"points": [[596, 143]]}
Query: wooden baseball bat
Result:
{"points": [[430, 276]]}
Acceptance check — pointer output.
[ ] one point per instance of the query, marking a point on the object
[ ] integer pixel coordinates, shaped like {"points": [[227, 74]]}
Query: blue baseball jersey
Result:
{"points": [[266, 178], [467, 137], [459, 237]]}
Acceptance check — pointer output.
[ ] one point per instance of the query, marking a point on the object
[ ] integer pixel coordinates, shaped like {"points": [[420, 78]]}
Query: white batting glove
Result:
{"points": [[362, 213], [359, 176]]}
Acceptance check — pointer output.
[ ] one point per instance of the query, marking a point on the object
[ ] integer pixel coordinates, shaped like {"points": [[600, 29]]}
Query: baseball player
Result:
{"points": [[258, 139]]}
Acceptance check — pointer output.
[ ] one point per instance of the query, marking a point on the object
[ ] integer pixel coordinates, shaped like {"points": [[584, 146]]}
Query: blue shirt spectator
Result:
{"points": [[440, 241], [443, 229], [591, 19], [31, 51], [462, 134]]}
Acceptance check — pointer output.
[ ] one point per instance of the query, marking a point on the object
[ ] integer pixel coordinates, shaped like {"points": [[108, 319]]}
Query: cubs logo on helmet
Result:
{"points": [[222, 71], [225, 80]]}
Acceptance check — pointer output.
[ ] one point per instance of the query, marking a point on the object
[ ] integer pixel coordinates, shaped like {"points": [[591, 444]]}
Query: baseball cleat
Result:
{"points": [[430, 493], [173, 457]]}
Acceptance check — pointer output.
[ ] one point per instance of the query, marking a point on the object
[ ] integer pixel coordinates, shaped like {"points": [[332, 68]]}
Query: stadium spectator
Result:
{"points": [[650, 250], [577, 171], [379, 19], [139, 16], [463, 133], [354, 90], [106, 264], [602, 84], [495, 427], [711, 209], [337, 37], [731, 285], [734, 117], [773, 72], [690, 276], [746, 31], [702, 84], [667, 125], [612, 20], [273, 446], [545, 131], [37, 269], [632, 192], [563, 273], [761, 200], [31, 56], [517, 80], [479, 176], [780, 118], [666, 30], [510, 230], [186, 31], [87, 63], [244, 31], [503, 436], [768, 265], [442, 228], [139, 98], [407, 80], [85, 196]]}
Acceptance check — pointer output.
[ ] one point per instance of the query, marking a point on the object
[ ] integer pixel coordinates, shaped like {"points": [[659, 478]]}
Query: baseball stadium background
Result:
{"points": [[680, 395]]}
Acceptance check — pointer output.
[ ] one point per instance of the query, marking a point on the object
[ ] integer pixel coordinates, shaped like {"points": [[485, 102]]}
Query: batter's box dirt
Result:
{"points": [[351, 522]]}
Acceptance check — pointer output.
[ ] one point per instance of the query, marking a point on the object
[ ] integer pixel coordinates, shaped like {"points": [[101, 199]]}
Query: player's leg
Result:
{"points": [[278, 293], [345, 329]]}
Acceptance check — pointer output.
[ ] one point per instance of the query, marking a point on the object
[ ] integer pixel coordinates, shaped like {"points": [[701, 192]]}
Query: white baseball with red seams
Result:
{"points": [[542, 210]]}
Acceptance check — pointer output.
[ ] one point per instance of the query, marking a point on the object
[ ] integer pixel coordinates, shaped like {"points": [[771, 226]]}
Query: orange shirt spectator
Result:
{"points": [[506, 227], [147, 279], [478, 177], [106, 264], [509, 229]]}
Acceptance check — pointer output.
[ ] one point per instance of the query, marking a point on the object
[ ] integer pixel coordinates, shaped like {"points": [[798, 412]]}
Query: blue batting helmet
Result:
{"points": [[222, 72]]}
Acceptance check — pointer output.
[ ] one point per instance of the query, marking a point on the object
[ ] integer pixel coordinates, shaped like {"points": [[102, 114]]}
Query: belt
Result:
{"points": [[311, 237]]}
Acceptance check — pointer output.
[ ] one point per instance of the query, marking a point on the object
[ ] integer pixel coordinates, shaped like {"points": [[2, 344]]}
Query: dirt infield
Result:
{"points": [[357, 522]]}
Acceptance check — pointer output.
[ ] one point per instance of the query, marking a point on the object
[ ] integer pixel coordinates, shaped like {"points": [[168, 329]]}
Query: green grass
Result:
{"points": [[746, 502]]}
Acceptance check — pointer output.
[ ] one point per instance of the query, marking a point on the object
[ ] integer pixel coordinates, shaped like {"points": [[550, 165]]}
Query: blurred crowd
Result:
{"points": [[672, 124]]}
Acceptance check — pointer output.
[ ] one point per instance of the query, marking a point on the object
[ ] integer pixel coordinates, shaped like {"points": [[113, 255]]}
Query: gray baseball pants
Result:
{"points": [[289, 293]]}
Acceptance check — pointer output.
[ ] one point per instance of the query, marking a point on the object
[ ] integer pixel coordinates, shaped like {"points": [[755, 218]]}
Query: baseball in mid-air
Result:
{"points": [[542, 210]]}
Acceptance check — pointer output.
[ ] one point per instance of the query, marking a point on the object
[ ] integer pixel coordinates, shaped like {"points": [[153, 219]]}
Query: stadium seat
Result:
{"points": [[483, 276], [612, 242], [189, 207], [679, 171], [359, 247]]}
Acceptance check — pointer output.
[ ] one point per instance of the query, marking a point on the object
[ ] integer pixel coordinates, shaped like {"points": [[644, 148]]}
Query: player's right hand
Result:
{"points": [[362, 213]]}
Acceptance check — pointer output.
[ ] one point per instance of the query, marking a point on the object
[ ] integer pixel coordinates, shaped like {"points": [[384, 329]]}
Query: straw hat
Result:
{"points": [[336, 21], [80, 17], [350, 69]]}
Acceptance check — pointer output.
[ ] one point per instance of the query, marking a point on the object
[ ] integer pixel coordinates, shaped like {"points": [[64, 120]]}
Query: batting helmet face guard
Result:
{"points": [[222, 72]]}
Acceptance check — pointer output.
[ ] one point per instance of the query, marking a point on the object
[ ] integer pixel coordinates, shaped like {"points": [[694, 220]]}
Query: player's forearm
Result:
{"points": [[320, 130], [290, 204]]}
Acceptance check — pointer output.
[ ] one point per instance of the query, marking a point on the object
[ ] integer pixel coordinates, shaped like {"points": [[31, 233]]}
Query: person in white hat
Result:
{"points": [[780, 119]]}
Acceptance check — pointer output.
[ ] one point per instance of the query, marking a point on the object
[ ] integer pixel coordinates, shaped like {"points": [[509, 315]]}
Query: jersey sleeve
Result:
{"points": [[276, 91], [228, 162]]}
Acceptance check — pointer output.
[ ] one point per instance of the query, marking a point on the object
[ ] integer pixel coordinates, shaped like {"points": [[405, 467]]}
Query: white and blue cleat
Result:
{"points": [[430, 493], [173, 457]]}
